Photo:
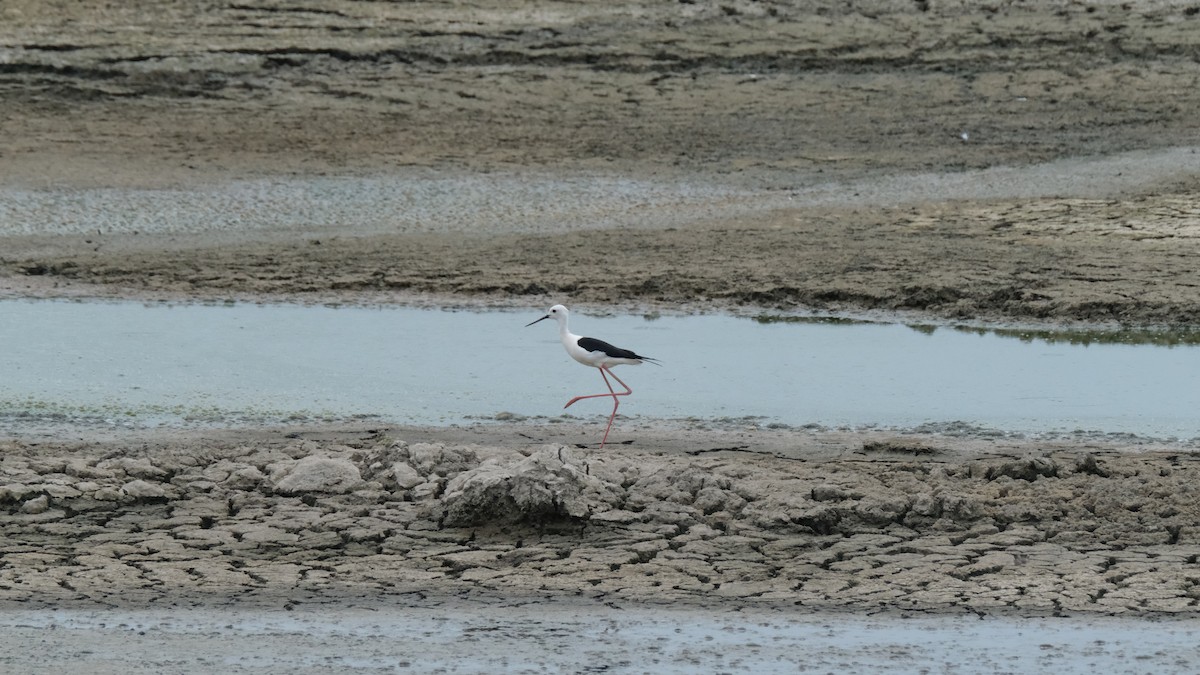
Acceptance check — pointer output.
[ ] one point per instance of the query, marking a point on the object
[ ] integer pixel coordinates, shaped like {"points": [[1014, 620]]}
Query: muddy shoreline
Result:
{"points": [[1045, 260]]}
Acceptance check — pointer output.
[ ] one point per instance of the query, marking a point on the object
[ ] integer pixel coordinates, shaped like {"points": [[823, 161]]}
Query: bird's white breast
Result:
{"points": [[585, 357]]}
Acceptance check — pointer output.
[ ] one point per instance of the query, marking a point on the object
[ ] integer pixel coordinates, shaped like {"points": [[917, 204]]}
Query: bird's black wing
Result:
{"points": [[594, 345]]}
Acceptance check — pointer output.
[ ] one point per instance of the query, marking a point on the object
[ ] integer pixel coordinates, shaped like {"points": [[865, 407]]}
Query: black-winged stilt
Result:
{"points": [[597, 354]]}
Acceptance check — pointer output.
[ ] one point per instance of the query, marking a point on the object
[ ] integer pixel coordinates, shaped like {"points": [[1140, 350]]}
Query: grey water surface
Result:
{"points": [[582, 637], [134, 364]]}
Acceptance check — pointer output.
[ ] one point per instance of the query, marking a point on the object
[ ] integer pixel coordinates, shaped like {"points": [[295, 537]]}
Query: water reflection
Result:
{"points": [[1159, 337]]}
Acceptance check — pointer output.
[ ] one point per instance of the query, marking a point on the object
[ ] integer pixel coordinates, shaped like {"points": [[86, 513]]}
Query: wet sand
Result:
{"points": [[1000, 164]]}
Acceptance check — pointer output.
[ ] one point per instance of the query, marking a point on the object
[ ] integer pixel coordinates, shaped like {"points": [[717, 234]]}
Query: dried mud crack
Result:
{"points": [[354, 516]]}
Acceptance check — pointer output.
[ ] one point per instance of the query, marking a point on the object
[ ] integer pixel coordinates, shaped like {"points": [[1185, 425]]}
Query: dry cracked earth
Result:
{"points": [[308, 517]]}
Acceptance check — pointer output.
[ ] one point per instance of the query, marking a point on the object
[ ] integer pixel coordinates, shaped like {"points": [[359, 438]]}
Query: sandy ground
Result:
{"points": [[1007, 162]]}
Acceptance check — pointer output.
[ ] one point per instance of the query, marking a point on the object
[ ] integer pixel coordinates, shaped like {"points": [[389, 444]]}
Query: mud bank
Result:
{"points": [[777, 518], [1047, 260], [1057, 139]]}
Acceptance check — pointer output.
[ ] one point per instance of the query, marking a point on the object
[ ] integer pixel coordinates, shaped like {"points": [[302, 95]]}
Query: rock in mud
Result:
{"points": [[317, 474], [39, 504], [1024, 469], [246, 478], [145, 490], [545, 486], [405, 476], [1089, 465], [435, 458]]}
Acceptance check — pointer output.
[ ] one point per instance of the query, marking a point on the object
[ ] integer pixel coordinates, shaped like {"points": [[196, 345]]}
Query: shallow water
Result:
{"points": [[582, 638], [125, 363]]}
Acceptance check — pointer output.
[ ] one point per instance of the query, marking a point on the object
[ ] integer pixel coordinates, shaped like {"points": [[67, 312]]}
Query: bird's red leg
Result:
{"points": [[627, 391], [612, 393], [616, 404]]}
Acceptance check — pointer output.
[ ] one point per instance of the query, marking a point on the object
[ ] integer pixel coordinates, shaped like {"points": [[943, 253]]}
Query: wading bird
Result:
{"points": [[597, 354]]}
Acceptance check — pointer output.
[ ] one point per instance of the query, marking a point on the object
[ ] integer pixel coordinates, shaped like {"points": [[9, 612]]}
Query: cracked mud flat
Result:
{"points": [[178, 150], [332, 549], [814, 520], [275, 550]]}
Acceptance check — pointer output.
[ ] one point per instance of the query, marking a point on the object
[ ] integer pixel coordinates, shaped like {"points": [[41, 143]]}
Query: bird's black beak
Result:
{"points": [[533, 322]]}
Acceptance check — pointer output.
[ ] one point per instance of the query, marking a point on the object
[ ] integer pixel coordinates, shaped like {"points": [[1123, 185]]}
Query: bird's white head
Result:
{"points": [[557, 312]]}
